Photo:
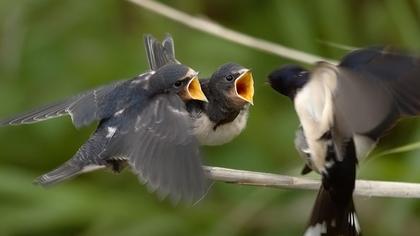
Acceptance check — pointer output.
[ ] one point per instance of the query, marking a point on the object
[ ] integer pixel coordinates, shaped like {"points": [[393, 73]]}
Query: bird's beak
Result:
{"points": [[244, 87], [193, 90]]}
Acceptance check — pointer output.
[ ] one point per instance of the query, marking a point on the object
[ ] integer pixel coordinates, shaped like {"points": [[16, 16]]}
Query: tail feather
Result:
{"points": [[331, 217], [334, 212], [160, 54]]}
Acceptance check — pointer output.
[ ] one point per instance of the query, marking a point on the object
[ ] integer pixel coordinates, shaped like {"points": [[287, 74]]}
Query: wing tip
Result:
{"points": [[4, 123], [44, 181], [60, 174], [177, 193]]}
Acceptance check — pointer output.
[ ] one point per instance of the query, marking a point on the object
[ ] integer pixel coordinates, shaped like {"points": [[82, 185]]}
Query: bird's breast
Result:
{"points": [[314, 106], [208, 133]]}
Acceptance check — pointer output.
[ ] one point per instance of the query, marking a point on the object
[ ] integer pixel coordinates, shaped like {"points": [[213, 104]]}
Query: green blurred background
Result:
{"points": [[52, 49]]}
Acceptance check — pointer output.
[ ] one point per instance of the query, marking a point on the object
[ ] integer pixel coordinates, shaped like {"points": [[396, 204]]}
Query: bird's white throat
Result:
{"points": [[314, 106], [207, 135]]}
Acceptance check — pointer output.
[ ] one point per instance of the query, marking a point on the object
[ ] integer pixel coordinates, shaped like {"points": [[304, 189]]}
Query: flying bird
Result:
{"points": [[229, 90], [344, 110], [142, 122]]}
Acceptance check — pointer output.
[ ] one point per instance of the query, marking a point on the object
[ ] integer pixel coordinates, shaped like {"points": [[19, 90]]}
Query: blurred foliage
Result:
{"points": [[52, 49]]}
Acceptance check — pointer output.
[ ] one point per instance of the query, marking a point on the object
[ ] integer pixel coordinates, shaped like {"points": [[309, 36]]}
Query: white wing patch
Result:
{"points": [[90, 168], [119, 112], [179, 112], [111, 131]]}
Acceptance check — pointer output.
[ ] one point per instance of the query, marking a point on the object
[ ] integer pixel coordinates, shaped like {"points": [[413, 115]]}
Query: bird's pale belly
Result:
{"points": [[207, 135]]}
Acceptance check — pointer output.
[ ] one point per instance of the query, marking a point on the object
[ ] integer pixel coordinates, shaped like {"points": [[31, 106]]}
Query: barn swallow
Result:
{"points": [[344, 111], [229, 90], [142, 122]]}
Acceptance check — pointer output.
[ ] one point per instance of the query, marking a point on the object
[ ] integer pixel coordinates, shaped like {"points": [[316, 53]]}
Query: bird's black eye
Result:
{"points": [[178, 84], [230, 77], [300, 75]]}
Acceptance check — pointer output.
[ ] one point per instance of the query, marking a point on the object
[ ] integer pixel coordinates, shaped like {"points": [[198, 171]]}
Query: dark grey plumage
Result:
{"points": [[84, 108], [224, 105], [229, 92], [142, 121], [352, 104]]}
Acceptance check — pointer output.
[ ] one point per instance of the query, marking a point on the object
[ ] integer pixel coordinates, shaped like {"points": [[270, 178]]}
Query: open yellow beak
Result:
{"points": [[194, 90], [244, 87]]}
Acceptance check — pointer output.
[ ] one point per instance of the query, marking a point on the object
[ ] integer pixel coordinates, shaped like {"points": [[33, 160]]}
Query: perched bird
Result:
{"points": [[143, 122], [229, 91], [344, 110]]}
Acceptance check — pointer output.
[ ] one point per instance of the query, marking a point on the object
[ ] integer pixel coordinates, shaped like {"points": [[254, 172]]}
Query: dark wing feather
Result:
{"points": [[375, 88], [394, 72], [162, 150], [84, 109], [359, 58], [40, 114]]}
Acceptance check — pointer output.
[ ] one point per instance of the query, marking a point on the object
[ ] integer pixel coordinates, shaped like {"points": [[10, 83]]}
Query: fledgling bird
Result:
{"points": [[143, 122], [344, 110], [229, 90]]}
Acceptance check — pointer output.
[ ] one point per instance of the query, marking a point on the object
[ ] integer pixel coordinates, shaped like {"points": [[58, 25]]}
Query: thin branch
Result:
{"points": [[228, 34], [363, 187]]}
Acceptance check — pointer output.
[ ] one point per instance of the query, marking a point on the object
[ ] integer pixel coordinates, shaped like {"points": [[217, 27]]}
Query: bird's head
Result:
{"points": [[288, 79], [178, 79], [234, 83]]}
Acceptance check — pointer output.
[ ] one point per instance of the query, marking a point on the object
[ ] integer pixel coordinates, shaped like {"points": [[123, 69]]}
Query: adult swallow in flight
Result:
{"points": [[344, 110]]}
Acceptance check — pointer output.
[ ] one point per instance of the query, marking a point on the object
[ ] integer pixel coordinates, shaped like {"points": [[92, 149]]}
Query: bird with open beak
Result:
{"points": [[142, 122], [344, 110], [229, 90]]}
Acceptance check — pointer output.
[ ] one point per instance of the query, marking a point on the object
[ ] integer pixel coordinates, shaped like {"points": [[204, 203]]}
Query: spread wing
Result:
{"points": [[395, 72], [84, 108], [160, 54], [160, 147], [374, 89]]}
